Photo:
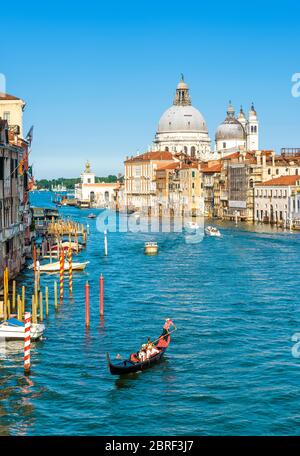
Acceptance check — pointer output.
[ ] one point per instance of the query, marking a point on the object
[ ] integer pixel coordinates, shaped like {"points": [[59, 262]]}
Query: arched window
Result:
{"points": [[166, 149], [185, 149], [224, 145], [92, 197], [106, 196], [251, 183], [269, 171], [193, 151]]}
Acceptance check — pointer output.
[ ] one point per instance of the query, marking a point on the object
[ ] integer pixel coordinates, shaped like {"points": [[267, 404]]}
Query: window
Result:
{"points": [[269, 171], [277, 171], [224, 145], [193, 151], [193, 173], [1, 168], [6, 116]]}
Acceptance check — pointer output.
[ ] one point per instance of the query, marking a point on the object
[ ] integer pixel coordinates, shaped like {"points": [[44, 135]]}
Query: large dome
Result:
{"points": [[182, 118]]}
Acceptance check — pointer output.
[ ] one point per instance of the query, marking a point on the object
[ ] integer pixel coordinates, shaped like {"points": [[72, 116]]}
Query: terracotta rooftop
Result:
{"points": [[282, 180], [147, 156], [212, 167], [173, 165], [6, 97]]}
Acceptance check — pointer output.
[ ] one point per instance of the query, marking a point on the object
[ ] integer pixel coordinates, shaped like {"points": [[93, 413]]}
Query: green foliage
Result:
{"points": [[70, 183]]}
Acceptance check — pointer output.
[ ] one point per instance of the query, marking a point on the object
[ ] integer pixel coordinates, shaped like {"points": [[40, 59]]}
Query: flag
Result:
{"points": [[29, 136]]}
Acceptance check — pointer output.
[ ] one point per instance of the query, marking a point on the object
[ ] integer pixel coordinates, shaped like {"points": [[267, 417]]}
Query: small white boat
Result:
{"points": [[91, 216], [190, 227], [13, 329], [55, 267], [151, 248], [212, 231]]}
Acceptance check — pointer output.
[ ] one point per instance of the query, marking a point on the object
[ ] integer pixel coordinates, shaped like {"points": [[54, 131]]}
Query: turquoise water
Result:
{"points": [[229, 368]]}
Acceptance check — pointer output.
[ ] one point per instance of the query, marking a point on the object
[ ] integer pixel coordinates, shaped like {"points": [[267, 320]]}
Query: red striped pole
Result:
{"points": [[61, 275], [70, 271], [27, 343], [101, 295], [34, 257], [87, 304]]}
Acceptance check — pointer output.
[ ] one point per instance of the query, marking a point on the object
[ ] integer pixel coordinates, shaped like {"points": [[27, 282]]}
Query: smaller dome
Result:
{"points": [[230, 131], [231, 128]]}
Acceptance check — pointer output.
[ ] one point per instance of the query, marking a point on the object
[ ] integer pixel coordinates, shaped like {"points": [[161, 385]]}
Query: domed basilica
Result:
{"points": [[182, 128]]}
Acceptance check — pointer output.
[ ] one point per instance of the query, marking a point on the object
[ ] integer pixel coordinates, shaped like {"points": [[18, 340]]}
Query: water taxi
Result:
{"points": [[212, 231], [151, 248], [13, 329]]}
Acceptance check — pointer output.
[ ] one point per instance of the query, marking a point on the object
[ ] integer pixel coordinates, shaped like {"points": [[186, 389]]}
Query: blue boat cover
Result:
{"points": [[14, 322]]}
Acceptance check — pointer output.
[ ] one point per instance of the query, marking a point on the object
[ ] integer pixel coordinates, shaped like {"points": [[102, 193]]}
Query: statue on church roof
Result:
{"points": [[87, 167]]}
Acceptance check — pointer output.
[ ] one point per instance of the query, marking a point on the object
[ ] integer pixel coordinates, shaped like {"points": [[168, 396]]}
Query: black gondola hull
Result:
{"points": [[128, 367]]}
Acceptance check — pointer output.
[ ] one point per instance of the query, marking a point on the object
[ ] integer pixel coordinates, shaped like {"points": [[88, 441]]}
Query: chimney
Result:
{"points": [[258, 157]]}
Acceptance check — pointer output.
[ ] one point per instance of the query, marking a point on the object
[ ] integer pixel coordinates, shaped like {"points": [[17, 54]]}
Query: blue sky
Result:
{"points": [[97, 76]]}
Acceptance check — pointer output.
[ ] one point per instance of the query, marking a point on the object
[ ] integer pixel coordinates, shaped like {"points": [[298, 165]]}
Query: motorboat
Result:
{"points": [[212, 231], [150, 248], [92, 216], [13, 329]]}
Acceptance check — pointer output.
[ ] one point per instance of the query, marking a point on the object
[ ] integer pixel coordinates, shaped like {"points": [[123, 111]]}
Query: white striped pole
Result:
{"points": [[27, 343]]}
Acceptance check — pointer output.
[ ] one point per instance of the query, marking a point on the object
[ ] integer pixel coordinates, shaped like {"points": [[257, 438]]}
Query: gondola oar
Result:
{"points": [[164, 335]]}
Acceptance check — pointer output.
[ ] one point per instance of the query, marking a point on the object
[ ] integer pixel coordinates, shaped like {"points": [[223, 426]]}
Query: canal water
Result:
{"points": [[229, 368]]}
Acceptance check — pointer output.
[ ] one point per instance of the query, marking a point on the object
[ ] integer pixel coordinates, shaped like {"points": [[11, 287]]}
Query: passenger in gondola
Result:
{"points": [[143, 353], [151, 350]]}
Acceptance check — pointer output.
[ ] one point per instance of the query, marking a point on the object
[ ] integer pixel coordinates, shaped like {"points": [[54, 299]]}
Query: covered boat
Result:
{"points": [[55, 266], [13, 329], [133, 364]]}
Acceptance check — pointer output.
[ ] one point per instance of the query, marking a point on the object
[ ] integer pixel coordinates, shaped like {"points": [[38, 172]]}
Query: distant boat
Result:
{"points": [[212, 231], [150, 248], [13, 329], [92, 216]]}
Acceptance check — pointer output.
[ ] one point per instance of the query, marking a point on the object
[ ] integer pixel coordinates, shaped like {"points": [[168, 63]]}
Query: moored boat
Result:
{"points": [[13, 329], [212, 231], [92, 215], [55, 266], [150, 248]]}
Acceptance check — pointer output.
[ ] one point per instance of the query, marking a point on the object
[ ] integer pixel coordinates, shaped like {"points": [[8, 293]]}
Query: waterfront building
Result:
{"points": [[277, 200], [182, 127], [210, 184], [237, 132], [140, 178], [11, 109], [91, 193], [15, 213]]}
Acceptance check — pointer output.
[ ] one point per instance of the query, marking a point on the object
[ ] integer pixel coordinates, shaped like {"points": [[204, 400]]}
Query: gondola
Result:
{"points": [[128, 366]]}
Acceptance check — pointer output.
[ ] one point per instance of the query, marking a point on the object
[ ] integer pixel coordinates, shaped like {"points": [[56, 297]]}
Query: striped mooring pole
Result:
{"points": [[27, 343], [61, 274], [87, 305], [70, 271], [101, 295]]}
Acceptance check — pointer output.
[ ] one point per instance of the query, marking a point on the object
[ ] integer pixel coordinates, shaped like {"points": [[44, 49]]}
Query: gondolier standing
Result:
{"points": [[165, 337]]}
